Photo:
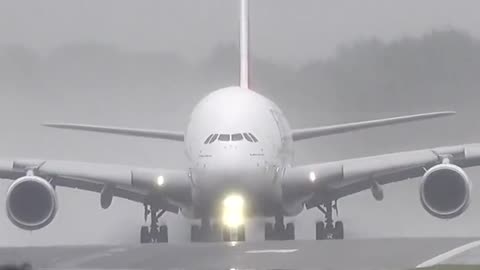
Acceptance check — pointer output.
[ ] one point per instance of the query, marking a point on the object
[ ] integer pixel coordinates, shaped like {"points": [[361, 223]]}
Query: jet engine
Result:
{"points": [[31, 203], [445, 191]]}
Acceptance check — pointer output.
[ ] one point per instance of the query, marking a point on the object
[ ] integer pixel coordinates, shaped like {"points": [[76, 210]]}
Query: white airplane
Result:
{"points": [[240, 149]]}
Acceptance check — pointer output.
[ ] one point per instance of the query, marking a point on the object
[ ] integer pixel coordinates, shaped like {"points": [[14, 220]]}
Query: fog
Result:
{"points": [[147, 65], [281, 30]]}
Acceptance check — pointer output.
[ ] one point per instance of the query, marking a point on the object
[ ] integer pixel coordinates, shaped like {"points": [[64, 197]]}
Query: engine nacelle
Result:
{"points": [[445, 191], [31, 203]]}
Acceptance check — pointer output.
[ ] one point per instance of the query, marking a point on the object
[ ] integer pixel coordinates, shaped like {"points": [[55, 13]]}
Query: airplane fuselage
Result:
{"points": [[237, 142]]}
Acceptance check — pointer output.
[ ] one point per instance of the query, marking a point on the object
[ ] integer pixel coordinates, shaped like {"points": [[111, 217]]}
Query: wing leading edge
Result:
{"points": [[157, 134], [132, 183], [334, 180], [308, 133]]}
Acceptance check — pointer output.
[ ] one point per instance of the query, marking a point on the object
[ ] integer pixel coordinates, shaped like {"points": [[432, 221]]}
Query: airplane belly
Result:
{"points": [[258, 187]]}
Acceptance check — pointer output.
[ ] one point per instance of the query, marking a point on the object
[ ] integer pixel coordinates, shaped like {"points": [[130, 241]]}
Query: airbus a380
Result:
{"points": [[240, 149]]}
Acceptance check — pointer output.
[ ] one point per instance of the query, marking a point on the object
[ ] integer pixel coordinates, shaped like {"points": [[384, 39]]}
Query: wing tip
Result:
{"points": [[433, 114], [47, 124], [55, 125], [62, 125], [447, 112]]}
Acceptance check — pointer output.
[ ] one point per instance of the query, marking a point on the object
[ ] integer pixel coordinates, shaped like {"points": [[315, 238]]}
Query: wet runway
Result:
{"points": [[346, 254]]}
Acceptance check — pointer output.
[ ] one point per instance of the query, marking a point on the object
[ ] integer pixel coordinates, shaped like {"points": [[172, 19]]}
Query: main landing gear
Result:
{"points": [[206, 232], [154, 233], [278, 230], [329, 229]]}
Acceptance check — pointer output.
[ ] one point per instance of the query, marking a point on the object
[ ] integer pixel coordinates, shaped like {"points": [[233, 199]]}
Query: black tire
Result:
{"points": [[338, 230], [290, 232], [216, 233], [195, 233], [241, 234], [163, 234], [226, 235], [145, 235], [320, 230], [268, 231]]}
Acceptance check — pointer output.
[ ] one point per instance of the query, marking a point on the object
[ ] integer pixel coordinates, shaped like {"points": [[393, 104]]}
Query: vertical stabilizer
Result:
{"points": [[244, 44]]}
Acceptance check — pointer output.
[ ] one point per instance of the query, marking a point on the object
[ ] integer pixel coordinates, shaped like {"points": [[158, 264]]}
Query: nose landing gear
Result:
{"points": [[234, 234], [206, 232], [278, 230], [154, 233], [328, 229]]}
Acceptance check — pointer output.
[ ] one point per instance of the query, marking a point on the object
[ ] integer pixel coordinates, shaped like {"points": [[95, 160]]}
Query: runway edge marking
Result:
{"points": [[449, 254], [261, 251]]}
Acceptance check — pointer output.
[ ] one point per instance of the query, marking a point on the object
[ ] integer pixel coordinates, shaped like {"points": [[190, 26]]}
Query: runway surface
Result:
{"points": [[346, 254]]}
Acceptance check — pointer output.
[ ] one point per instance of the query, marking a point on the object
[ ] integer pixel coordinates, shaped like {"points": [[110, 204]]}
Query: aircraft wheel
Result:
{"points": [[216, 233], [268, 231], [241, 234], [226, 234], [195, 233], [338, 230], [234, 234], [290, 232], [320, 230], [163, 234], [145, 235]]}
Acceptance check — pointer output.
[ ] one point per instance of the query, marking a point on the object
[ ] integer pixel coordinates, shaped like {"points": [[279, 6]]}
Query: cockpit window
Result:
{"points": [[247, 137], [213, 138], [237, 137], [224, 137], [208, 139], [253, 137]]}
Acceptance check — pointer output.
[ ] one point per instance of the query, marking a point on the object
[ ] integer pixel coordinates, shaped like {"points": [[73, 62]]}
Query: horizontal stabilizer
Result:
{"points": [[307, 133], [157, 134]]}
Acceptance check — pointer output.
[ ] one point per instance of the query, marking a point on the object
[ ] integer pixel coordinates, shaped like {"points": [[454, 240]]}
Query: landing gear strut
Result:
{"points": [[329, 229], [206, 232], [154, 233], [278, 230]]}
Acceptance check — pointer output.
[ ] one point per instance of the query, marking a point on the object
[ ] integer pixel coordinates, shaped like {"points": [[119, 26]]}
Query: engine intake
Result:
{"points": [[445, 191], [31, 203]]}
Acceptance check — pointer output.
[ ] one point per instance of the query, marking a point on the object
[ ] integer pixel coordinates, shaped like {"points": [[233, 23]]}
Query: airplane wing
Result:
{"points": [[135, 184], [157, 134], [319, 183], [307, 133]]}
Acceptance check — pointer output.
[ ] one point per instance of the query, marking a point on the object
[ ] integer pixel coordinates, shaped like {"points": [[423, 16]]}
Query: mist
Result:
{"points": [[86, 79]]}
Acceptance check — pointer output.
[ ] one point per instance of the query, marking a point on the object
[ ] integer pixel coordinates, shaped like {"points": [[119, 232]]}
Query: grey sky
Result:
{"points": [[281, 29]]}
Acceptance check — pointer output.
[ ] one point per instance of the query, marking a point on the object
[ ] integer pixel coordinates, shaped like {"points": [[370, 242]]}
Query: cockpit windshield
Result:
{"points": [[224, 137], [208, 139], [236, 137]]}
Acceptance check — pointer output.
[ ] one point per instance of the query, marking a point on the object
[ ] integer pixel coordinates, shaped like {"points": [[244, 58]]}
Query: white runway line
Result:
{"points": [[449, 254], [261, 251]]}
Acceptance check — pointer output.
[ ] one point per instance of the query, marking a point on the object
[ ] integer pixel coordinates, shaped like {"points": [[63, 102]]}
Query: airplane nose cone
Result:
{"points": [[230, 169], [233, 158]]}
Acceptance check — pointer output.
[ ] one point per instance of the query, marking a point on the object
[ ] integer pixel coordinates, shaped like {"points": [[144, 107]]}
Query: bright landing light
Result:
{"points": [[160, 181], [233, 211]]}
